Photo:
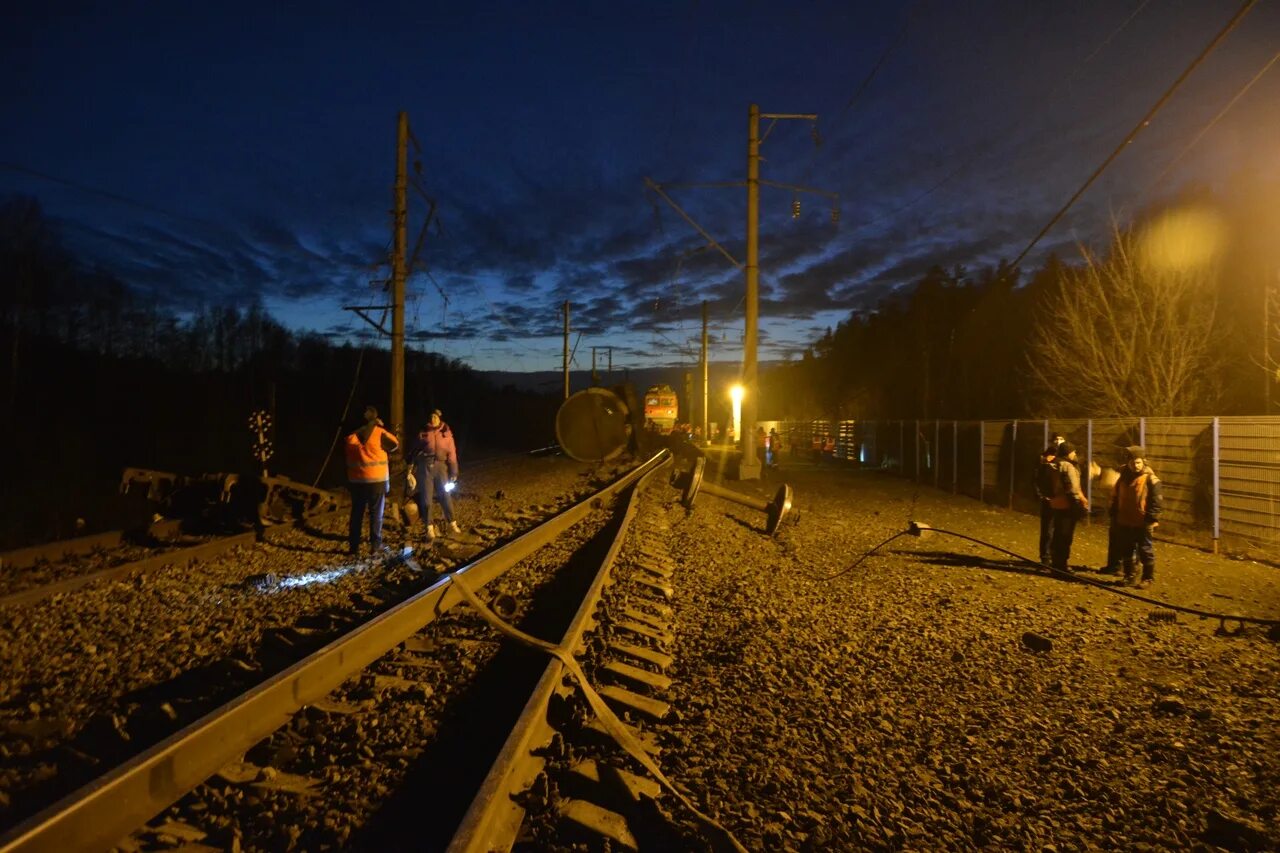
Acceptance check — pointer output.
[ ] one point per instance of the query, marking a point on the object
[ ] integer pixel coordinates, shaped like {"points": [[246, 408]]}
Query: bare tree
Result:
{"points": [[1126, 337]]}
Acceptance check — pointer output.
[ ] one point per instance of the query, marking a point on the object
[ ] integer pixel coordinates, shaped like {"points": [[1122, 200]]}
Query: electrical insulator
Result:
{"points": [[795, 208], [835, 216]]}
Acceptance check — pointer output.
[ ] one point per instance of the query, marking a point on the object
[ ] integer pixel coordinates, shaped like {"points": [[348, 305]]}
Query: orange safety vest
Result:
{"points": [[1131, 500], [1064, 497], [367, 461]]}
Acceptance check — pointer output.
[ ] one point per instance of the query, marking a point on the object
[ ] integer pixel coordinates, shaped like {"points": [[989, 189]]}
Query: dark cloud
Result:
{"points": [[242, 162]]}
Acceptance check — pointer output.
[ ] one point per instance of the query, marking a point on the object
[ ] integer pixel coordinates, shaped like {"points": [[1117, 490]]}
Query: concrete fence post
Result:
{"points": [[982, 460], [937, 429], [915, 442], [1217, 482], [902, 447], [955, 457], [1013, 456]]}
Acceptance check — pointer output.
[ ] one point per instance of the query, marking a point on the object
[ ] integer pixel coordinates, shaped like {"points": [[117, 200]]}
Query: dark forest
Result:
{"points": [[1176, 317], [96, 380]]}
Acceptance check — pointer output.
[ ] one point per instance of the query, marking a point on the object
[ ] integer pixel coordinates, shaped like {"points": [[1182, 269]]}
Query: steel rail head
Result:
{"points": [[99, 814], [178, 556], [25, 558]]}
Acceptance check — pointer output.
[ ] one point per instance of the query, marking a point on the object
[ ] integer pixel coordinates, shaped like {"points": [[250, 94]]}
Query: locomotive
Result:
{"points": [[661, 408]]}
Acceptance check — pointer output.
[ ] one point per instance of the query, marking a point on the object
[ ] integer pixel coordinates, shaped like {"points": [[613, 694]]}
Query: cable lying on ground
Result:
{"points": [[918, 528], [612, 724]]}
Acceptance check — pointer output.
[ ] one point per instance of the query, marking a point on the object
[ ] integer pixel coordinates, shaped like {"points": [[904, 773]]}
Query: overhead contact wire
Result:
{"points": [[1142, 123]]}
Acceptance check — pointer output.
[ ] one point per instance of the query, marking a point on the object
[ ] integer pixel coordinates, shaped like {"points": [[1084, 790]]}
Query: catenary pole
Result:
{"points": [[566, 349], [749, 468], [706, 423], [398, 277]]}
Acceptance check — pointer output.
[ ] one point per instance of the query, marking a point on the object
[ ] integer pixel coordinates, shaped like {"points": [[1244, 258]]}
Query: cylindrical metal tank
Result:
{"points": [[593, 425]]}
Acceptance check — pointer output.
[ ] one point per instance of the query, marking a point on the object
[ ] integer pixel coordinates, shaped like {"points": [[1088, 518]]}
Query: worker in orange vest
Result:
{"points": [[369, 477]]}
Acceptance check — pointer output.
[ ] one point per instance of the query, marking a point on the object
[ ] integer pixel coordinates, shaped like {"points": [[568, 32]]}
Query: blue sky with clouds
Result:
{"points": [[246, 152]]}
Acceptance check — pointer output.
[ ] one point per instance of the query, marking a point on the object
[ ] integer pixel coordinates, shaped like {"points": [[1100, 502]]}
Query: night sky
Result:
{"points": [[240, 152]]}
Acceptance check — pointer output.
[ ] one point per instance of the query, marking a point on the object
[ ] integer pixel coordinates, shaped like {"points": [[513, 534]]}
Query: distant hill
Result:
{"points": [[721, 375]]}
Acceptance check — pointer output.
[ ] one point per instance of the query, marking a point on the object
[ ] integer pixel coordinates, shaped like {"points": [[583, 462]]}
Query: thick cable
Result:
{"points": [[859, 561], [614, 726], [1112, 588], [355, 381]]}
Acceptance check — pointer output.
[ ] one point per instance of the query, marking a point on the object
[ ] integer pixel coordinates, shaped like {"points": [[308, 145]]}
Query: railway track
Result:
{"points": [[46, 579], [243, 744], [31, 575]]}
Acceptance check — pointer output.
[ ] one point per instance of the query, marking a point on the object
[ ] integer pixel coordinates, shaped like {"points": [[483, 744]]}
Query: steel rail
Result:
{"points": [[25, 558], [99, 814], [178, 556], [493, 820]]}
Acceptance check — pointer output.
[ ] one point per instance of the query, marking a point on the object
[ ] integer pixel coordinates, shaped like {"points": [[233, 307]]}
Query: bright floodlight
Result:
{"points": [[736, 393]]}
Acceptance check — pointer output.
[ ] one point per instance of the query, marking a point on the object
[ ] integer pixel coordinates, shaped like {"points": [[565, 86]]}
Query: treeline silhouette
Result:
{"points": [[97, 379], [1178, 315]]}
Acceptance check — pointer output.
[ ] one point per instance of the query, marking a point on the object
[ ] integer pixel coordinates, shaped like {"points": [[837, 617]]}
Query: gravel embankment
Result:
{"points": [[352, 772], [903, 704], [96, 672], [897, 706]]}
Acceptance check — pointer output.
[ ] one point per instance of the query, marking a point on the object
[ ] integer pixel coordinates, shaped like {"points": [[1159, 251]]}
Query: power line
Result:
{"points": [[1115, 32], [875, 69], [1192, 144], [1142, 123], [985, 147], [85, 188]]}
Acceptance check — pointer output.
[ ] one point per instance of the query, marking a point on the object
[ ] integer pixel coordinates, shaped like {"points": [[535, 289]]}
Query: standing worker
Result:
{"points": [[1069, 505], [434, 457], [1135, 512], [1046, 476], [368, 475]]}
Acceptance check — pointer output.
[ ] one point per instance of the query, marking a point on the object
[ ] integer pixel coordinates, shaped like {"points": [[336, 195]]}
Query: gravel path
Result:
{"points": [[898, 706]]}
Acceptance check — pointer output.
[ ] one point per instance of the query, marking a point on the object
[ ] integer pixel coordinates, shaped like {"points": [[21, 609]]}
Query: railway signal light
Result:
{"points": [[260, 425]]}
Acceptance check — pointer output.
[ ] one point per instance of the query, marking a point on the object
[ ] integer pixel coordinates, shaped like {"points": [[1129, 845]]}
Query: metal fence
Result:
{"points": [[1221, 476]]}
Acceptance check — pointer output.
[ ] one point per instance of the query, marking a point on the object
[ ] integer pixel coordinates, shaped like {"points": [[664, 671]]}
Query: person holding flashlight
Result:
{"points": [[434, 457]]}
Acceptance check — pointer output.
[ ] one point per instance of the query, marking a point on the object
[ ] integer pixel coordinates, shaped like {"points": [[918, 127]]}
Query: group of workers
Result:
{"points": [[1134, 511], [433, 472], [431, 477]]}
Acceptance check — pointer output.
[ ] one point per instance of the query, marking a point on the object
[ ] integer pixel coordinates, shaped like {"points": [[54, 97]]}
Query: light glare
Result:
{"points": [[1183, 239]]}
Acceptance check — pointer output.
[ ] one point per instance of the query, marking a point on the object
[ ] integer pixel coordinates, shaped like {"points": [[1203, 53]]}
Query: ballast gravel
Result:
{"points": [[92, 675], [939, 695], [934, 695]]}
